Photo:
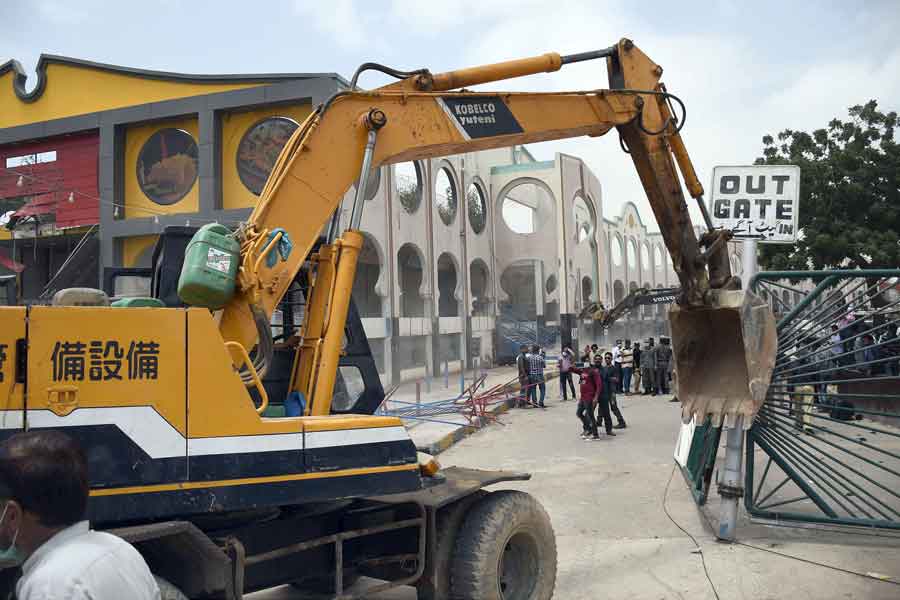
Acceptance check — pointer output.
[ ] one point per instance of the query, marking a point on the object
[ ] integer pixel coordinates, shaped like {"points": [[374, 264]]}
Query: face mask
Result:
{"points": [[11, 555]]}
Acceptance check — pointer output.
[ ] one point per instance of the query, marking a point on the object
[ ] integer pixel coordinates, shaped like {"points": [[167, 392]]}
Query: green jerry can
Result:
{"points": [[210, 267]]}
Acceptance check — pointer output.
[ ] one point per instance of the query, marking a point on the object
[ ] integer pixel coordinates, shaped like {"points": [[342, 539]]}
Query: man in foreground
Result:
{"points": [[44, 490], [589, 386]]}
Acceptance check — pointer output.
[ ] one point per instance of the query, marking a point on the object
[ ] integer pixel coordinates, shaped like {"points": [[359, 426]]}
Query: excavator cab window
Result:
{"points": [[349, 388]]}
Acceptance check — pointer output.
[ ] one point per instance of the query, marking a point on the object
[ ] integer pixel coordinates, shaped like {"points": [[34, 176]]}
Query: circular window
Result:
{"points": [[408, 181], [584, 219], [523, 204], [657, 258], [445, 196], [477, 207], [617, 251], [373, 185], [551, 284], [645, 256], [167, 165], [632, 255], [259, 149]]}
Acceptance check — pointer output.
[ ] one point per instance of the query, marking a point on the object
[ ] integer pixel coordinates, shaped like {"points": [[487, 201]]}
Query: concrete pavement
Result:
{"points": [[605, 500]]}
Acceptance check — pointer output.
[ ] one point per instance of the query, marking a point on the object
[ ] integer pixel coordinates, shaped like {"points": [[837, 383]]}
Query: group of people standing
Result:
{"points": [[650, 368], [601, 376], [598, 381]]}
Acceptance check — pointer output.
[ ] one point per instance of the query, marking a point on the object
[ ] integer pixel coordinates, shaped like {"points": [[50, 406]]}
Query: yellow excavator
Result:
{"points": [[173, 400]]}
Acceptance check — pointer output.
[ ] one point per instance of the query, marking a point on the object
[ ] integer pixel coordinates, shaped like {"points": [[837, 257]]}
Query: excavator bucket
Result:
{"points": [[724, 357]]}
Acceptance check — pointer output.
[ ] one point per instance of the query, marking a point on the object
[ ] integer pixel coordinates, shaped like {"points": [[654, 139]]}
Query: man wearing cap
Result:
{"points": [[648, 367]]}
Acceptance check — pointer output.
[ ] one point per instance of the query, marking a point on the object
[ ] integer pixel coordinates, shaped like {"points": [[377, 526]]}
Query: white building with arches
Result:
{"points": [[468, 256]]}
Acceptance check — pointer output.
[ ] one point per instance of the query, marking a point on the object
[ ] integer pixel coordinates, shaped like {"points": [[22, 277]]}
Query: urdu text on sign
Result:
{"points": [[760, 201]]}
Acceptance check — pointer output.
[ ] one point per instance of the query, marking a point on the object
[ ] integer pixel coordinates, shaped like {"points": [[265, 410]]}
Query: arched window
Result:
{"points": [[616, 249], [445, 195], [477, 207], [584, 219], [411, 274], [448, 306], [632, 254], [522, 206], [368, 270], [408, 183]]}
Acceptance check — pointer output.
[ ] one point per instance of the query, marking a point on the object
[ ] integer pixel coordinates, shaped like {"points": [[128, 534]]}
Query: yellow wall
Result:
{"points": [[135, 137], [234, 126], [75, 90], [133, 247]]}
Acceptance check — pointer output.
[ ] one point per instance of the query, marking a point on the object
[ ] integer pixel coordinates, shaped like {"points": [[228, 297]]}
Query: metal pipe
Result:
{"points": [[333, 226], [451, 80], [730, 487], [592, 55], [705, 212], [360, 196], [731, 480]]}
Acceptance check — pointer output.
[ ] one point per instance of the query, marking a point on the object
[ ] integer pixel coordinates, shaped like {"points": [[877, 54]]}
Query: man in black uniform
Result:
{"points": [[663, 364], [648, 368], [608, 374]]}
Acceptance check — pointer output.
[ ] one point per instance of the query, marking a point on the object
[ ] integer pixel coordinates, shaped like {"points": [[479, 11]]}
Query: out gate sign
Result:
{"points": [[760, 202]]}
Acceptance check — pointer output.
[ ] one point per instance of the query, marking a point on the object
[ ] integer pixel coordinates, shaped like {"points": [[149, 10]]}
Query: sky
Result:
{"points": [[744, 69]]}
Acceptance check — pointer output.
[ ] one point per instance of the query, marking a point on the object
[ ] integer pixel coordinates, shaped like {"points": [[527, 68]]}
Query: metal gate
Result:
{"points": [[825, 447]]}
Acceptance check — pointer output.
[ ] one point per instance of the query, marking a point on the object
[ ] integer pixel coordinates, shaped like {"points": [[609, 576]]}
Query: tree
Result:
{"points": [[849, 193]]}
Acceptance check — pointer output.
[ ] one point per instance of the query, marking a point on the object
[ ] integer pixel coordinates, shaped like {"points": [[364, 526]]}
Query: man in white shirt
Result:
{"points": [[44, 492], [617, 363]]}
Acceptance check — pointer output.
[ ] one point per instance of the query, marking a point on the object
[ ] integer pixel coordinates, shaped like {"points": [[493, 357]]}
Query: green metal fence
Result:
{"points": [[825, 446]]}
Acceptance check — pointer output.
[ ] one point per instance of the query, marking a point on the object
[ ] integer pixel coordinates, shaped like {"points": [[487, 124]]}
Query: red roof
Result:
{"points": [[40, 205]]}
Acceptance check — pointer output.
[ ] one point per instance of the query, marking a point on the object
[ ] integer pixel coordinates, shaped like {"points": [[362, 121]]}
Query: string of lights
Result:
{"points": [[117, 206]]}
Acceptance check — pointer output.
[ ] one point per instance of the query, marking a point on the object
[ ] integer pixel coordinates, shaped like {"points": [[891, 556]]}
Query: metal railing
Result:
{"points": [[825, 446]]}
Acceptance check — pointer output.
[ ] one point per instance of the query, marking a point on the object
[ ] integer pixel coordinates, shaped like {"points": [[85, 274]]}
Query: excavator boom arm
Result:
{"points": [[323, 158], [414, 121]]}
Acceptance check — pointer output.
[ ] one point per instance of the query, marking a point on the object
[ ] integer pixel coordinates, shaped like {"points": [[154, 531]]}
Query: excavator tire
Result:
{"points": [[167, 591], [506, 550], [449, 521]]}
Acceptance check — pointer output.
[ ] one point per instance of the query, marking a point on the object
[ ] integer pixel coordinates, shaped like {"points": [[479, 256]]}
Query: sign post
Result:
{"points": [[758, 203]]}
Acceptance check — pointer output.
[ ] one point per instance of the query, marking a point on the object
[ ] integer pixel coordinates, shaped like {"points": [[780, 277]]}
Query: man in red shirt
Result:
{"points": [[589, 386]]}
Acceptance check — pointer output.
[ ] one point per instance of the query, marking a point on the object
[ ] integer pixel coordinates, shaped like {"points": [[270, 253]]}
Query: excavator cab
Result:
{"points": [[358, 387]]}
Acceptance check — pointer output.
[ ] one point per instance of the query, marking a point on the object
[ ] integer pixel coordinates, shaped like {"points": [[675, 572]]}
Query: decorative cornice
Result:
{"points": [[20, 76]]}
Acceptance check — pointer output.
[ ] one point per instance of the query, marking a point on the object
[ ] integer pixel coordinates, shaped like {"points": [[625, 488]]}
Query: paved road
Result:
{"points": [[614, 540]]}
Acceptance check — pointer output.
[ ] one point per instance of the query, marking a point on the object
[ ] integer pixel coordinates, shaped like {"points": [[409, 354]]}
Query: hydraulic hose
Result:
{"points": [[265, 347]]}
